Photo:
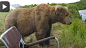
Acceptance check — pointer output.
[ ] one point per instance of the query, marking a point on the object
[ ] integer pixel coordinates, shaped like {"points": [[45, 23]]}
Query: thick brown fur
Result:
{"points": [[38, 19]]}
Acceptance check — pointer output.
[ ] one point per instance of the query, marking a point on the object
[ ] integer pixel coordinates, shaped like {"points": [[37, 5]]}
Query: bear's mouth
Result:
{"points": [[63, 22], [68, 23]]}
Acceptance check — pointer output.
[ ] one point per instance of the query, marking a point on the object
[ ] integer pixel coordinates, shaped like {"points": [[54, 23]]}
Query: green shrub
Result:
{"points": [[74, 35], [85, 20]]}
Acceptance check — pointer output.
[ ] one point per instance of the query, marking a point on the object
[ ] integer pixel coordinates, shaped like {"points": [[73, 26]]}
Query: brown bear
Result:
{"points": [[38, 19]]}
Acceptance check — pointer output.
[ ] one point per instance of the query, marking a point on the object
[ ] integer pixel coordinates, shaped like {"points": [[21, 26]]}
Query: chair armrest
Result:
{"points": [[39, 41]]}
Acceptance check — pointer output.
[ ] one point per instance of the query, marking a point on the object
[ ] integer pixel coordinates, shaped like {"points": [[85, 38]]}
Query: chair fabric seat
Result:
{"points": [[11, 38]]}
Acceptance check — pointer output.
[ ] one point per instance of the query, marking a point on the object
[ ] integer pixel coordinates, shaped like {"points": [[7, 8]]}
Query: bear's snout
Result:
{"points": [[71, 22]]}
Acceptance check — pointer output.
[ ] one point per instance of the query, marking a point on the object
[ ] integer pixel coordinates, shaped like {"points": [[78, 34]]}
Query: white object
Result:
{"points": [[4, 6]]}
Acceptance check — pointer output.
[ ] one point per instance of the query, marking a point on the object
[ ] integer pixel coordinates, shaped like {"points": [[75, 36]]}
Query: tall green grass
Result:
{"points": [[74, 35], [2, 22]]}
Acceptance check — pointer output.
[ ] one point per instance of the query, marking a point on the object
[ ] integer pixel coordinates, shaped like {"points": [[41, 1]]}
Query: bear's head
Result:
{"points": [[62, 14]]}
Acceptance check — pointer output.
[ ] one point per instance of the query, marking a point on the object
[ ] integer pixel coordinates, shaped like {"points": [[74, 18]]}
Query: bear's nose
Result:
{"points": [[70, 22]]}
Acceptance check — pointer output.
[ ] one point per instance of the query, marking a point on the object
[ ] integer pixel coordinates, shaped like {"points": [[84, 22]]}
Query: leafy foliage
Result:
{"points": [[74, 35]]}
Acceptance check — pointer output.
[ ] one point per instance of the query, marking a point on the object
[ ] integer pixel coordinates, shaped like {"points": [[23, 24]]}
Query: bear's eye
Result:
{"points": [[66, 15]]}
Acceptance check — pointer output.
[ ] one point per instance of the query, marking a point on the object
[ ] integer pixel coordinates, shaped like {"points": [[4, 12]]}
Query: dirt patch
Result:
{"points": [[57, 33]]}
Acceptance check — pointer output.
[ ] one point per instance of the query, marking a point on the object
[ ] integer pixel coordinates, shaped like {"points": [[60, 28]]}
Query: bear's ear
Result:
{"points": [[58, 8], [66, 8]]}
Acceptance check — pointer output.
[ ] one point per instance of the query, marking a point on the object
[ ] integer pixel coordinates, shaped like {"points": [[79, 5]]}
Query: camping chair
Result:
{"points": [[13, 39]]}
